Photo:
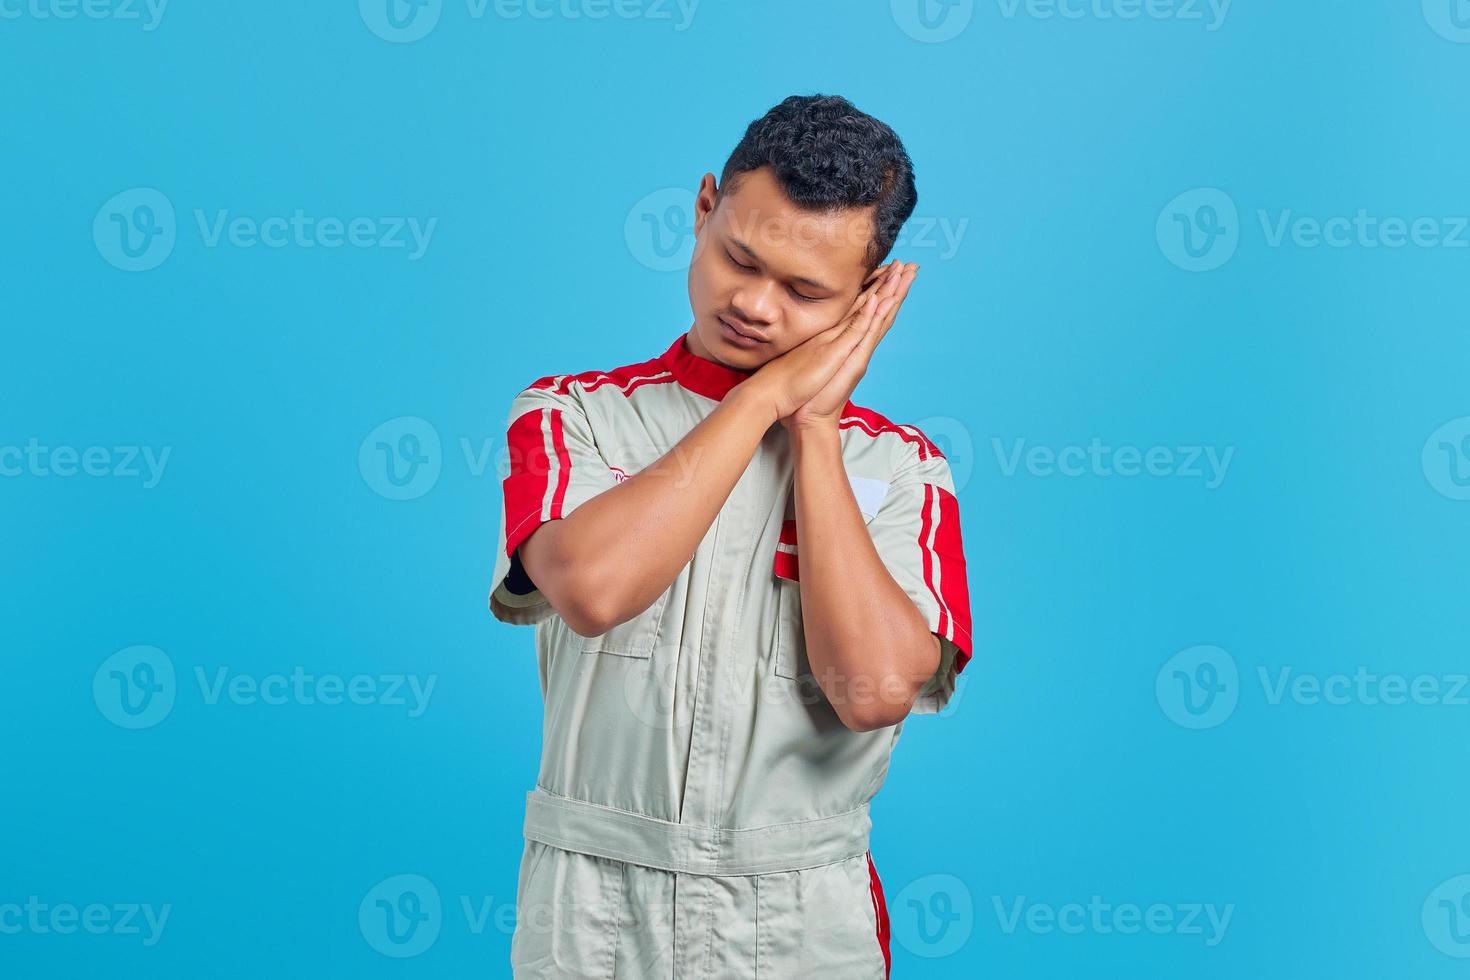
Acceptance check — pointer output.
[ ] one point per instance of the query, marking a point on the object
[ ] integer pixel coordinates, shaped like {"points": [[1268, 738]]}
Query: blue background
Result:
{"points": [[1334, 541]]}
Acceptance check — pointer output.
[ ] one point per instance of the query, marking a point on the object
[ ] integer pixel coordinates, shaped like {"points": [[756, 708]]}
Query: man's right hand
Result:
{"points": [[791, 380]]}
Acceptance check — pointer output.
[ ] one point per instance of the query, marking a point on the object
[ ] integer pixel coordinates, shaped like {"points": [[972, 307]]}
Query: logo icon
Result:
{"points": [[401, 459], [400, 21], [1449, 18], [953, 439], [650, 693], [1446, 917], [1446, 459], [1198, 687], [932, 21], [134, 688], [135, 230], [401, 916], [1199, 230], [659, 229], [933, 916]]}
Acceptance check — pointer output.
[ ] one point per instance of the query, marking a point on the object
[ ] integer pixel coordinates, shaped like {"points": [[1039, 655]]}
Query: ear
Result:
{"points": [[704, 201]]}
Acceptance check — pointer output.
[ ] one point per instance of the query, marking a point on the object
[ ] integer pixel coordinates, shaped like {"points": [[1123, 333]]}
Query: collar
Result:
{"points": [[708, 378]]}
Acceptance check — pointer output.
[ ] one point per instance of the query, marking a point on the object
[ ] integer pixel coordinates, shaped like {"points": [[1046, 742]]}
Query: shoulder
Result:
{"points": [[622, 380], [900, 455], [869, 434], [591, 392]]}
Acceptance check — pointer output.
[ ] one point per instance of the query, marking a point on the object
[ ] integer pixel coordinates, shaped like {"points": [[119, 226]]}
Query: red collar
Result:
{"points": [[708, 378]]}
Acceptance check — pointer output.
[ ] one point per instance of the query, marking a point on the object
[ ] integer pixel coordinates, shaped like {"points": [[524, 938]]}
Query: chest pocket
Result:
{"points": [[635, 638], [789, 645]]}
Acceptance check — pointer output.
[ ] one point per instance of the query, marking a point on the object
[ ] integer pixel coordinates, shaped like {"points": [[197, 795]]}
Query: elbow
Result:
{"points": [[868, 711], [870, 718], [576, 589], [582, 620], [590, 605], [587, 612], [885, 699]]}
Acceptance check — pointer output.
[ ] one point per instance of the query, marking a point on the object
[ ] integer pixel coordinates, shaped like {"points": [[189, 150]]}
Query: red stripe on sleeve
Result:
{"points": [[928, 556], [563, 463], [525, 487], [952, 577]]}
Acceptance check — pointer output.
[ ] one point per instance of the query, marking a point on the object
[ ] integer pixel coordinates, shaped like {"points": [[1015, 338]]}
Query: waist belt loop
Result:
{"points": [[587, 828]]}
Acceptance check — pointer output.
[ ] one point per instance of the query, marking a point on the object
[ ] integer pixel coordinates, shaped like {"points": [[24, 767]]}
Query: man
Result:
{"points": [[733, 616]]}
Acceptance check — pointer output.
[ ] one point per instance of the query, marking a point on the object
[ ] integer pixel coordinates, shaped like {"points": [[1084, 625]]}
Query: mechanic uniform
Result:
{"points": [[700, 811]]}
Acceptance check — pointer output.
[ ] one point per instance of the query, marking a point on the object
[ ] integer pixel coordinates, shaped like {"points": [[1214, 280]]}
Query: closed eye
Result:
{"points": [[738, 264], [750, 268]]}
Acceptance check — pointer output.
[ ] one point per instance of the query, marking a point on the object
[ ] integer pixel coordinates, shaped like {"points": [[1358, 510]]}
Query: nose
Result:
{"points": [[755, 302]]}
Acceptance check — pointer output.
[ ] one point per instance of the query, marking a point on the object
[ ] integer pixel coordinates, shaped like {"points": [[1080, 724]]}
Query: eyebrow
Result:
{"points": [[810, 282]]}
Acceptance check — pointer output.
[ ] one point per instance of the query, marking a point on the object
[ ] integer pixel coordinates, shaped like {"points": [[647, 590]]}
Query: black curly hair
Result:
{"points": [[828, 156]]}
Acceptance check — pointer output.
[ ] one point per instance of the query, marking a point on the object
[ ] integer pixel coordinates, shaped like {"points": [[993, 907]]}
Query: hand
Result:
{"points": [[825, 407], [789, 381]]}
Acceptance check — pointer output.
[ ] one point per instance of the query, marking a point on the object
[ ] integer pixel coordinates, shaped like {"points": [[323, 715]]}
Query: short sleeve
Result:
{"points": [[554, 466], [917, 534]]}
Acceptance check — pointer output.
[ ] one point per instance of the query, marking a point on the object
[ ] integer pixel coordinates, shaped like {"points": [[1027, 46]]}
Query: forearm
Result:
{"points": [[869, 647], [618, 552]]}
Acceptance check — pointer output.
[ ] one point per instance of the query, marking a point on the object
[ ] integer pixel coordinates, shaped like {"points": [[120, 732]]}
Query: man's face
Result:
{"points": [[764, 267]]}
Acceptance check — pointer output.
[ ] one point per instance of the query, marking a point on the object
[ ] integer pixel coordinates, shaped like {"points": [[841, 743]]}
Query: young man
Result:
{"points": [[734, 616]]}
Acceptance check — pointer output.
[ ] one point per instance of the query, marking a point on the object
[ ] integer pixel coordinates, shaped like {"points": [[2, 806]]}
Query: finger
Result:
{"points": [[891, 281], [878, 275], [875, 284], [899, 294], [882, 279], [888, 312], [867, 325], [868, 335], [855, 314], [863, 320]]}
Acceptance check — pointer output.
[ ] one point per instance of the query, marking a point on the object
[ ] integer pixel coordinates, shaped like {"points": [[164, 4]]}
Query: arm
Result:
{"points": [[870, 649], [615, 554]]}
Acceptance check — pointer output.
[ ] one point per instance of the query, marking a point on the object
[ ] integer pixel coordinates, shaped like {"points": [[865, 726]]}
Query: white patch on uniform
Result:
{"points": [[869, 493]]}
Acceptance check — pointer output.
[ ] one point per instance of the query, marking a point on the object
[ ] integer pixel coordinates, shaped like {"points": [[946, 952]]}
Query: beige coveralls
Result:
{"points": [[700, 810]]}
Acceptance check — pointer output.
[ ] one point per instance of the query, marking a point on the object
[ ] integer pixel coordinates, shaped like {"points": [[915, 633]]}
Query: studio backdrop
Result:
{"points": [[1191, 331]]}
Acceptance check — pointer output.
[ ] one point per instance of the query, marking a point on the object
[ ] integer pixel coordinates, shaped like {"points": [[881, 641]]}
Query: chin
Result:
{"points": [[745, 359]]}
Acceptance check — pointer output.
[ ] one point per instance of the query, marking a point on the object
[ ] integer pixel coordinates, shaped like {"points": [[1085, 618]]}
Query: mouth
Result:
{"points": [[744, 332]]}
